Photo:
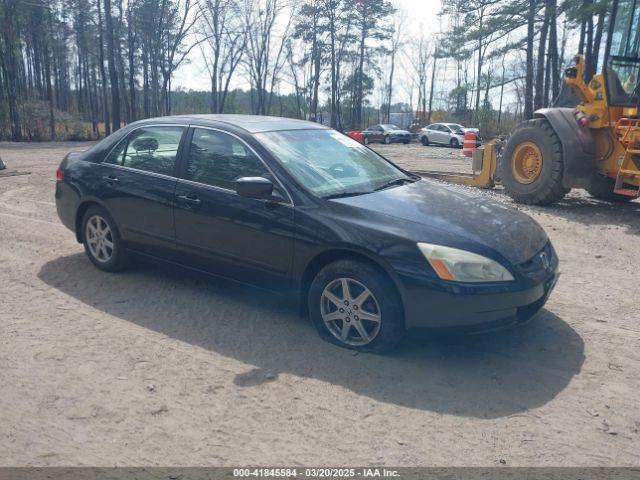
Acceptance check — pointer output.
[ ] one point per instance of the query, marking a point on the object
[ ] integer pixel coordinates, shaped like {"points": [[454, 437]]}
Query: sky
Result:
{"points": [[422, 15]]}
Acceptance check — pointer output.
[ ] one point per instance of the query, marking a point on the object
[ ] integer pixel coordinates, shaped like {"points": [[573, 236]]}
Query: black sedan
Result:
{"points": [[385, 133], [297, 208]]}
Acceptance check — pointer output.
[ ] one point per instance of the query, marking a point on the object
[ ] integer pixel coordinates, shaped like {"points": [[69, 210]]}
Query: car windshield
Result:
{"points": [[329, 163], [388, 126], [455, 127]]}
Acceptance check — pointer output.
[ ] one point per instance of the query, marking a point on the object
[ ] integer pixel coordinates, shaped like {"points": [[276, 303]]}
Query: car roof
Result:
{"points": [[250, 123]]}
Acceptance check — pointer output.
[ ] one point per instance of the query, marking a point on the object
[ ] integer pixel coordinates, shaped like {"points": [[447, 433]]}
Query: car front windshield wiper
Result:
{"points": [[345, 194], [397, 181]]}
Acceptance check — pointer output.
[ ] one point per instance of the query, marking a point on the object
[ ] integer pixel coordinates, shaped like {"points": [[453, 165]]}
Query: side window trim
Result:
{"points": [[186, 151], [125, 140]]}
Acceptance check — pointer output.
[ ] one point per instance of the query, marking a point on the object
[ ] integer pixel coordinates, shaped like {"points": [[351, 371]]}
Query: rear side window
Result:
{"points": [[219, 159], [150, 149]]}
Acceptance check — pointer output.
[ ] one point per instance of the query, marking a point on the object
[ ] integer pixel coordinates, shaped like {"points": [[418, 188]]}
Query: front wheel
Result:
{"points": [[355, 306], [454, 143], [102, 241], [365, 140], [531, 167], [425, 141]]}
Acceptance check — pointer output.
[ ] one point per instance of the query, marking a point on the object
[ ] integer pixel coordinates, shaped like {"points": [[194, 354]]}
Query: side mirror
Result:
{"points": [[254, 187]]}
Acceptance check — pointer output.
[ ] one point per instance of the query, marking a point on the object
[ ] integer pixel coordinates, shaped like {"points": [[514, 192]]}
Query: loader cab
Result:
{"points": [[622, 55]]}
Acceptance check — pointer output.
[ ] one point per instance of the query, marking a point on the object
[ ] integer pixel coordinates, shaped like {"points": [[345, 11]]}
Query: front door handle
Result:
{"points": [[110, 178], [190, 199]]}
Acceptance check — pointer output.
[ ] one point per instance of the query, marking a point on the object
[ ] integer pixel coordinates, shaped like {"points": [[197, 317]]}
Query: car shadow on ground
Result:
{"points": [[486, 376]]}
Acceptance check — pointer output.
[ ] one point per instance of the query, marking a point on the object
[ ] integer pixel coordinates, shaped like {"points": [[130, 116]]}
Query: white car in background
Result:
{"points": [[451, 134]]}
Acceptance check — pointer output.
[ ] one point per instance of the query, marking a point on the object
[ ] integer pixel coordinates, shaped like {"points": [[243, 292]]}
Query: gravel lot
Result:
{"points": [[155, 367]]}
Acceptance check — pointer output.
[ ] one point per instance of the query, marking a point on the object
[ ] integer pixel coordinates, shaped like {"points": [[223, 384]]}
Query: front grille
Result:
{"points": [[541, 263]]}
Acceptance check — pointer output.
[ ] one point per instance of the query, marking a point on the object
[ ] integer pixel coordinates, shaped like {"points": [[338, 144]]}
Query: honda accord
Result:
{"points": [[371, 250]]}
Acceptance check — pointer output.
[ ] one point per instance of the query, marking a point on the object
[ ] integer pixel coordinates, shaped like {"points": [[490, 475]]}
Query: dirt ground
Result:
{"points": [[155, 367]]}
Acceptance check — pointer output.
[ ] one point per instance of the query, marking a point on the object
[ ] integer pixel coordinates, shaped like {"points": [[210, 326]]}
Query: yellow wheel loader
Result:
{"points": [[595, 146]]}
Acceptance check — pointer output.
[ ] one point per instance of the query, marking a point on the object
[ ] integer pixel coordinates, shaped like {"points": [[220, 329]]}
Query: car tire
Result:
{"points": [[387, 140], [365, 140], [424, 140], [104, 246], [332, 311], [547, 187], [406, 142], [454, 143]]}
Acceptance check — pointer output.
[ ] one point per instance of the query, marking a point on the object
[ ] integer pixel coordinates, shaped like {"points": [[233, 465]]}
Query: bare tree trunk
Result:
{"points": [[131, 45], [540, 70], [113, 74], [103, 74], [433, 84], [390, 96], [501, 92], [553, 49], [588, 70], [528, 92], [356, 120]]}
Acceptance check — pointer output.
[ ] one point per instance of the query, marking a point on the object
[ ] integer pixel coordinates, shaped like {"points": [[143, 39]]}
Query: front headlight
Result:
{"points": [[462, 266]]}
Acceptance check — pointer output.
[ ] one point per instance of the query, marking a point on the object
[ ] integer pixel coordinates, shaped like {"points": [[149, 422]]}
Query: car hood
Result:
{"points": [[451, 216]]}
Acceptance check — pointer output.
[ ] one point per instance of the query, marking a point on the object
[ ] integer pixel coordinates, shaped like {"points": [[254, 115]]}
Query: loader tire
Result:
{"points": [[602, 189], [531, 166]]}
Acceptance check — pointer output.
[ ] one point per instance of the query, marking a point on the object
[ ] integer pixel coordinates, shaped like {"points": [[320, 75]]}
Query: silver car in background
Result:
{"points": [[451, 134]]}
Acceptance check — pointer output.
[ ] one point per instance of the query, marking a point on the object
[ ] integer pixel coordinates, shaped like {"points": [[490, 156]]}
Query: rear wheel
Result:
{"points": [[532, 165], [365, 140], [355, 306], [454, 143], [425, 140], [602, 189], [387, 140], [102, 241]]}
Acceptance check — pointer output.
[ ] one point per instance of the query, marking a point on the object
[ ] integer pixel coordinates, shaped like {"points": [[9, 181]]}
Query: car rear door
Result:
{"points": [[137, 182], [222, 232]]}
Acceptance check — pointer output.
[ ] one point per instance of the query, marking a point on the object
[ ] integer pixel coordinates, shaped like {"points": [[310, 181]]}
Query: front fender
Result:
{"points": [[578, 146]]}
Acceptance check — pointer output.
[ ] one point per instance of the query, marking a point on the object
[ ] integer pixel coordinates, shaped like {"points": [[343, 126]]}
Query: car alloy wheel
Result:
{"points": [[99, 239], [387, 140], [425, 141], [350, 311], [102, 241], [365, 140], [454, 143]]}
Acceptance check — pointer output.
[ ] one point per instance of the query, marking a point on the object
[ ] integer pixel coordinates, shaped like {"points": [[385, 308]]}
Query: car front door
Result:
{"points": [[137, 183], [440, 135], [222, 232]]}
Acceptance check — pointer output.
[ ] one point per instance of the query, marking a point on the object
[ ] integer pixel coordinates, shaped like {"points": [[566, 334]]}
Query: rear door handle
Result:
{"points": [[190, 199], [110, 178]]}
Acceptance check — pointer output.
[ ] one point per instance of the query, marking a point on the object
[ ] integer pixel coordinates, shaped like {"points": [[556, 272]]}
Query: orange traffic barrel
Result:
{"points": [[469, 144]]}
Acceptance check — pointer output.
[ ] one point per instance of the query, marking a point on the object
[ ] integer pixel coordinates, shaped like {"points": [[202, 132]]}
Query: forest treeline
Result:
{"points": [[75, 69]]}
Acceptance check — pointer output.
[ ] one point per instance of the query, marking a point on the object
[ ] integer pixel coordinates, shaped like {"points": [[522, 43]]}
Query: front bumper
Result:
{"points": [[401, 137], [474, 308]]}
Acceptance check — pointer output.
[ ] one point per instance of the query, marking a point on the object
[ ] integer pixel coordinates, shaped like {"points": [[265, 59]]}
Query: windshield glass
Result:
{"points": [[623, 65], [328, 163], [455, 126], [389, 126]]}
